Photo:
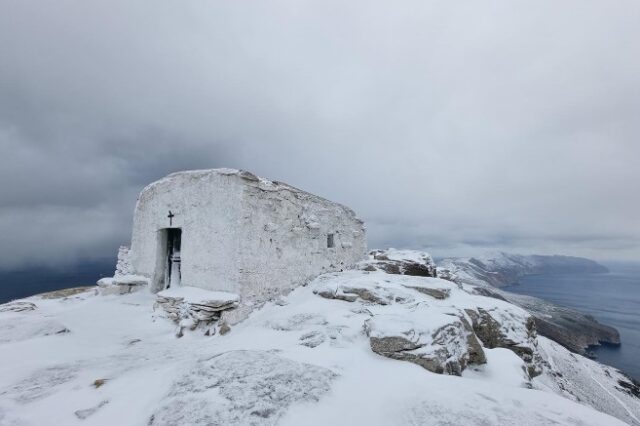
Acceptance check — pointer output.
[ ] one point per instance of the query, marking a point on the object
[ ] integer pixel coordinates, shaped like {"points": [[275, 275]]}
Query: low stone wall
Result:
{"points": [[193, 308]]}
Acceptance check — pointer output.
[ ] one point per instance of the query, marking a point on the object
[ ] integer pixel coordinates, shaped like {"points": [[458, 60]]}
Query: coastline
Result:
{"points": [[610, 299]]}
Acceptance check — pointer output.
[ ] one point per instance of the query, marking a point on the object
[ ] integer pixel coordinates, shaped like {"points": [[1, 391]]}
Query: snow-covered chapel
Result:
{"points": [[230, 231]]}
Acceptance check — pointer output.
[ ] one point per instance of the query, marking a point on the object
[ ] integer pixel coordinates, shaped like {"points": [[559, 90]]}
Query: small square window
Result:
{"points": [[330, 241]]}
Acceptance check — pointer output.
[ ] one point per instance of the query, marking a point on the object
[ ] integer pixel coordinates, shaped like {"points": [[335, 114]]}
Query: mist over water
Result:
{"points": [[612, 299]]}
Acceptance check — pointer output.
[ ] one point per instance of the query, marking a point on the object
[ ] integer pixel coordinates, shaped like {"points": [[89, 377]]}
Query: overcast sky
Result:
{"points": [[457, 127]]}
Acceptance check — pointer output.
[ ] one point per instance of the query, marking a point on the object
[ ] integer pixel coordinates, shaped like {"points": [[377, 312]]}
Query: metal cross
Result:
{"points": [[170, 216]]}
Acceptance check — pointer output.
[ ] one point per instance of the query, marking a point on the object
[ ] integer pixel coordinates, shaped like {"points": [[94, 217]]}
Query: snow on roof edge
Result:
{"points": [[262, 183]]}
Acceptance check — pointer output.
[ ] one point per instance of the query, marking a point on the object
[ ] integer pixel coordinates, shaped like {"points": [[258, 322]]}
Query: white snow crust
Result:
{"points": [[303, 360]]}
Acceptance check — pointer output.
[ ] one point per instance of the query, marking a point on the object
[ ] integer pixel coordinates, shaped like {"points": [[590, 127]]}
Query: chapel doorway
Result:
{"points": [[172, 268]]}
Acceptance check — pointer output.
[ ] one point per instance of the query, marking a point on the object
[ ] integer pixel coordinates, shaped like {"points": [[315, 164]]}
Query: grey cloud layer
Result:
{"points": [[456, 127]]}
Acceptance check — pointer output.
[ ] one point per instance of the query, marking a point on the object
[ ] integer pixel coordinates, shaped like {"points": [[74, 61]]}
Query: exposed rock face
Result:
{"points": [[444, 344], [436, 293], [570, 328], [493, 334], [630, 386], [364, 289], [428, 331], [402, 262]]}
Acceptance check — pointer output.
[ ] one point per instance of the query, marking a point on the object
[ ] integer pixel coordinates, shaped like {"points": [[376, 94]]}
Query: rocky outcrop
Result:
{"points": [[630, 386], [430, 290], [568, 327], [493, 334], [445, 343], [401, 262], [413, 319], [367, 290]]}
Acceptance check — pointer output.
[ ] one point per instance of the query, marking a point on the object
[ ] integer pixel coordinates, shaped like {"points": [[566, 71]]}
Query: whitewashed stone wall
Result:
{"points": [[123, 267], [243, 234]]}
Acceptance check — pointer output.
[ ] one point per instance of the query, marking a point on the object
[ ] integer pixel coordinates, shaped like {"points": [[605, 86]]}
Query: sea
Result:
{"points": [[612, 298], [16, 284]]}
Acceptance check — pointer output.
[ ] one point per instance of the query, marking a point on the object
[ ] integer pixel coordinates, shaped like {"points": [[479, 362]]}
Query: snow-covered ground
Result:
{"points": [[306, 359]]}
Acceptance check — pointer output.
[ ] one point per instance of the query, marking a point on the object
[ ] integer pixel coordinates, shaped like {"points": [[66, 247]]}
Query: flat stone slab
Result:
{"points": [[124, 280], [198, 296], [122, 284]]}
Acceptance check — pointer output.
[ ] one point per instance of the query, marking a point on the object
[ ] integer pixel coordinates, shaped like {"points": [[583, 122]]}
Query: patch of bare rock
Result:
{"points": [[432, 322], [401, 262]]}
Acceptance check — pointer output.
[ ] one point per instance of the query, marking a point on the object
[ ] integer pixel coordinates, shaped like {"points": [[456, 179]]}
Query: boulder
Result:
{"points": [[497, 333], [440, 341], [400, 262]]}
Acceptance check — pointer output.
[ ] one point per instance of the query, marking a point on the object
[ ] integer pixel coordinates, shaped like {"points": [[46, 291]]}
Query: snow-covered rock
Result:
{"points": [[192, 306], [402, 262], [17, 306], [493, 330], [307, 360], [435, 339], [241, 388], [19, 328], [588, 382], [122, 284]]}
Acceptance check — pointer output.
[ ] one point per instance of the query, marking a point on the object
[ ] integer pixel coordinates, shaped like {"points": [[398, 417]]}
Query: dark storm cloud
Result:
{"points": [[452, 127]]}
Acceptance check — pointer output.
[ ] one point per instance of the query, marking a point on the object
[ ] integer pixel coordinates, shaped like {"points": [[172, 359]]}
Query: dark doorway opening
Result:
{"points": [[172, 275]]}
